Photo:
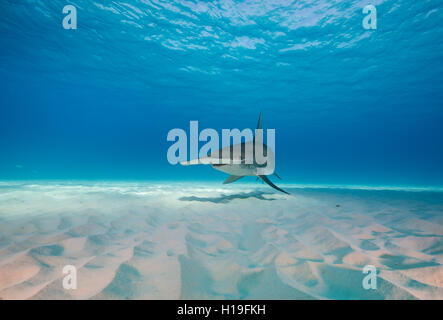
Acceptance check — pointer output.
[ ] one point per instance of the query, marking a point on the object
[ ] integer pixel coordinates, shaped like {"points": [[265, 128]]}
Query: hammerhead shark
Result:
{"points": [[236, 165]]}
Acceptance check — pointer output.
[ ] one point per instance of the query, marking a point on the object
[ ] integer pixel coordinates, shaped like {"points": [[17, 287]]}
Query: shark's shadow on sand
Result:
{"points": [[224, 198]]}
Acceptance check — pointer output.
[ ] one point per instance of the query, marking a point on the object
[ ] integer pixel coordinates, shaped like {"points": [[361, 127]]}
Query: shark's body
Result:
{"points": [[235, 164]]}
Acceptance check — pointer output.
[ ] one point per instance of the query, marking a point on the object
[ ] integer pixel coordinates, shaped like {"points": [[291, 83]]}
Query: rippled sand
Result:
{"points": [[209, 241]]}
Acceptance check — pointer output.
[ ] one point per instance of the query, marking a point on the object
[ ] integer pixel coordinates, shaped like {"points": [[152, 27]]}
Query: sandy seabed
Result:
{"points": [[209, 241]]}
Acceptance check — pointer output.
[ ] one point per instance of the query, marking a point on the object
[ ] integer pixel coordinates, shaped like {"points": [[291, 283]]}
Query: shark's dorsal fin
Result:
{"points": [[259, 125]]}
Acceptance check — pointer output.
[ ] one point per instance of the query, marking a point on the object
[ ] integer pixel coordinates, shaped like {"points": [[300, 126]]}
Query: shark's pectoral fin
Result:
{"points": [[232, 179], [275, 174], [265, 179]]}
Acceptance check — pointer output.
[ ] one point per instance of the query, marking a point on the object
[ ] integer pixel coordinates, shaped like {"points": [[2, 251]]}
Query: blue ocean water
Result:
{"points": [[349, 105]]}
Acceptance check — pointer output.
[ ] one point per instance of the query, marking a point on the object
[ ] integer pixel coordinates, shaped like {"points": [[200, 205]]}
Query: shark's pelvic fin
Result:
{"points": [[232, 179], [266, 179]]}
